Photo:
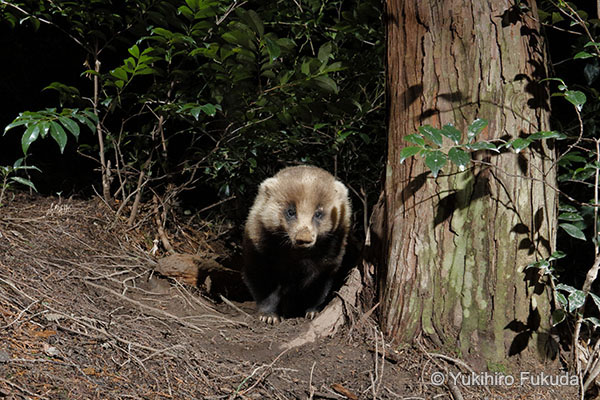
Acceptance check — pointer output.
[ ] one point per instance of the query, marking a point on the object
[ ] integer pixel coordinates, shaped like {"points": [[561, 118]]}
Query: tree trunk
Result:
{"points": [[457, 245]]}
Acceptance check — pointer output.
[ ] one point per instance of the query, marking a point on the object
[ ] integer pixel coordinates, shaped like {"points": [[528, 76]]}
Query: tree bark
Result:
{"points": [[457, 245]]}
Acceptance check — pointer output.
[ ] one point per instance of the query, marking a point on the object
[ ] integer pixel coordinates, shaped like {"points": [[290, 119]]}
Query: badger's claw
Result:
{"points": [[311, 314], [271, 319]]}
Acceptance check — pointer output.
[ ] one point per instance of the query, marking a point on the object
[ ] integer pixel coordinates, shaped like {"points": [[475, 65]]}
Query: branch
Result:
{"points": [[45, 21]]}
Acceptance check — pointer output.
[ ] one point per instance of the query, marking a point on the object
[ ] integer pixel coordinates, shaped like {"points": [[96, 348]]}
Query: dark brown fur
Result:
{"points": [[294, 241]]}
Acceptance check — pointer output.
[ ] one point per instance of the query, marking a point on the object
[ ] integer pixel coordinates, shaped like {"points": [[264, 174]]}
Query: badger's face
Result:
{"points": [[304, 222], [303, 208]]}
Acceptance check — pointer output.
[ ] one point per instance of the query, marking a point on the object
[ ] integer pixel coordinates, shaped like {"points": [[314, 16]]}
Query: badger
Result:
{"points": [[294, 241]]}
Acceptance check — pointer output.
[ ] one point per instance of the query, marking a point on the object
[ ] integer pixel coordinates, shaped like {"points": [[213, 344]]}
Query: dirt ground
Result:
{"points": [[83, 315]]}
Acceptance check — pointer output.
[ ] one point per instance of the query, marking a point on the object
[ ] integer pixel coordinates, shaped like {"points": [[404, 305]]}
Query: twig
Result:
{"points": [[45, 21], [216, 204], [260, 378], [455, 390], [168, 380], [311, 389], [22, 389], [33, 361], [159, 226], [104, 164], [138, 197], [230, 304], [231, 8], [102, 331], [147, 307], [20, 314], [165, 350], [454, 361]]}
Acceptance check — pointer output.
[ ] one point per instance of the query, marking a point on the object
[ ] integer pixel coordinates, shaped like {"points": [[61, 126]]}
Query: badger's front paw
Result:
{"points": [[269, 318], [311, 314]]}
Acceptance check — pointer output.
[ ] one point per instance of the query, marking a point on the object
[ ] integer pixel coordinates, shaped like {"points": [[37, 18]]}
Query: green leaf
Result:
{"points": [[435, 161], [459, 157], [576, 300], [89, 72], [576, 98], [119, 73], [70, 125], [431, 133], [547, 135], [129, 65], [241, 38], [583, 54], [31, 134], [343, 135], [87, 121], [18, 162], [573, 231], [567, 208], [570, 217], [407, 152], [561, 299], [519, 144], [324, 52], [476, 127], [415, 139], [186, 11], [557, 255], [326, 83], [305, 68], [256, 22], [17, 122], [23, 181], [334, 67], [134, 51], [209, 109], [272, 48], [24, 167], [44, 128], [558, 316], [566, 288], [452, 133], [536, 265], [58, 134], [482, 146], [556, 17]]}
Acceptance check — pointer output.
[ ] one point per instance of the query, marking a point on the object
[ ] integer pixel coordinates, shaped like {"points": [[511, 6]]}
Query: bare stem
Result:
{"points": [[104, 166]]}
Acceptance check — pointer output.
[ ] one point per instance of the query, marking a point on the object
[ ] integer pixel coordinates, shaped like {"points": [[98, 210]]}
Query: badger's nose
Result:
{"points": [[304, 238]]}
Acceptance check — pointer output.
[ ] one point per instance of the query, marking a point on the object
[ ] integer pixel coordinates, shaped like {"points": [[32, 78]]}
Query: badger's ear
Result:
{"points": [[338, 213], [341, 190], [266, 187], [334, 218]]}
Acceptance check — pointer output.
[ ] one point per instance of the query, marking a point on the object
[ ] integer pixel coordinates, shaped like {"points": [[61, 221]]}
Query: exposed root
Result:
{"points": [[333, 315]]}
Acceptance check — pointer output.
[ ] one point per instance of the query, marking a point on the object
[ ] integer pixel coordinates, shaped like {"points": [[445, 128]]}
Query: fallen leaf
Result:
{"points": [[343, 391]]}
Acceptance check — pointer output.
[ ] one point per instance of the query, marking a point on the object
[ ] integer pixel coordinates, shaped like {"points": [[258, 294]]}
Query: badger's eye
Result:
{"points": [[319, 214], [290, 212]]}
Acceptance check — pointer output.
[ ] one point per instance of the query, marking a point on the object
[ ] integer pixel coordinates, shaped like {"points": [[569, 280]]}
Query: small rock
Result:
{"points": [[4, 355], [50, 350]]}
